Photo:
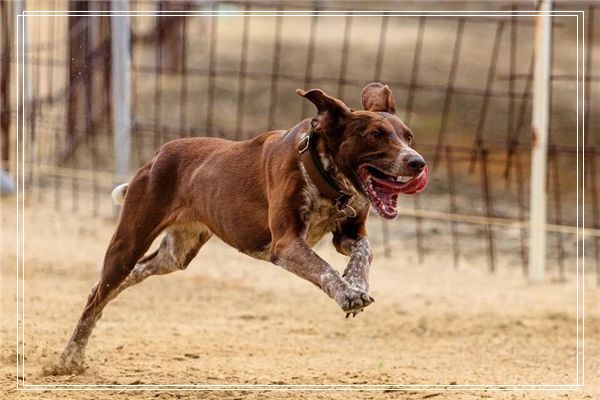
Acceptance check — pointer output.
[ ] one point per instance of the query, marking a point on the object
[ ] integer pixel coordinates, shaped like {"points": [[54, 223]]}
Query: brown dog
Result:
{"points": [[272, 197]]}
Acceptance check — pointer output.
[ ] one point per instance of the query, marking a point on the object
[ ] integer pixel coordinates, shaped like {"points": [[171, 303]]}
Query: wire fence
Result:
{"points": [[462, 82]]}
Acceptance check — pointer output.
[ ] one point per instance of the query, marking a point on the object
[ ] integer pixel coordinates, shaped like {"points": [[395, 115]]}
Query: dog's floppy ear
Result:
{"points": [[379, 98], [330, 110]]}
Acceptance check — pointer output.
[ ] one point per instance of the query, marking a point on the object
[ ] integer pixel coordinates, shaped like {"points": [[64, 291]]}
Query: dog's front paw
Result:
{"points": [[353, 300]]}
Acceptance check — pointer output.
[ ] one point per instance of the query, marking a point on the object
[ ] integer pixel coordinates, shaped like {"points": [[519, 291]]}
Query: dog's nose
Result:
{"points": [[416, 163]]}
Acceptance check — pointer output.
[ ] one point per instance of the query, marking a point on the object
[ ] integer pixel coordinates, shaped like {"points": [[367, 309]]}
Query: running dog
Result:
{"points": [[272, 197]]}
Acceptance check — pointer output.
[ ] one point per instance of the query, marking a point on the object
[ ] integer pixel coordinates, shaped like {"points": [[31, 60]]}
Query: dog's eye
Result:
{"points": [[374, 136], [409, 137]]}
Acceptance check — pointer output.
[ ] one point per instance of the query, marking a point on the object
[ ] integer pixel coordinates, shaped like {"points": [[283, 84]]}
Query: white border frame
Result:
{"points": [[20, 200]]}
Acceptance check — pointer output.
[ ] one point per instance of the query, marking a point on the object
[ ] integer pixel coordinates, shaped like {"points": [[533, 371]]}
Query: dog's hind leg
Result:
{"points": [[140, 223], [145, 214], [177, 249]]}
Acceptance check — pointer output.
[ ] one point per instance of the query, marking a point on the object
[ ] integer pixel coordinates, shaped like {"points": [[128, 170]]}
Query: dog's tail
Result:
{"points": [[118, 193]]}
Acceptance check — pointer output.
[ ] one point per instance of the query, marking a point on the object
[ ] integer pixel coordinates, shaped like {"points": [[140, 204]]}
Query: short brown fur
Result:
{"points": [[255, 196]]}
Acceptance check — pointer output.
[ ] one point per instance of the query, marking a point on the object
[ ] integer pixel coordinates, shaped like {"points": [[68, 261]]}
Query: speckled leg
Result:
{"points": [[304, 262], [357, 270], [177, 249]]}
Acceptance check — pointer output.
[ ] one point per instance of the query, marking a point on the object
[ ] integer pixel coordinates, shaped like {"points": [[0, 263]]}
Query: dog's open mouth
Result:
{"points": [[382, 189]]}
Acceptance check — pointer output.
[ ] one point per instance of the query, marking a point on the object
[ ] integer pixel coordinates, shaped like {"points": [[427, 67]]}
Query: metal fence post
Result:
{"points": [[121, 87], [539, 152]]}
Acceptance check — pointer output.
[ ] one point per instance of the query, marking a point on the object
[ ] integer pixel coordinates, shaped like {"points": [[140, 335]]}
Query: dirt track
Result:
{"points": [[231, 320]]}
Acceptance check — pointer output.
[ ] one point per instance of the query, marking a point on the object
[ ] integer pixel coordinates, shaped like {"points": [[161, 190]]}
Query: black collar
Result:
{"points": [[327, 186]]}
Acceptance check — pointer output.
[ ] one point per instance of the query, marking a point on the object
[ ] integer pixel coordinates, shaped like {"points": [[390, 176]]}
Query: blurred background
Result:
{"points": [[462, 82]]}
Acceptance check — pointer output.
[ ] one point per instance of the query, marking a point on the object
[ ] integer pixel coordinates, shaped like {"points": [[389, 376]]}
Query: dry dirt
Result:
{"points": [[229, 319]]}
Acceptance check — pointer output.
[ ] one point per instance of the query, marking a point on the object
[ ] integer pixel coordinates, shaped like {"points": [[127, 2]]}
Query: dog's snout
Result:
{"points": [[415, 163]]}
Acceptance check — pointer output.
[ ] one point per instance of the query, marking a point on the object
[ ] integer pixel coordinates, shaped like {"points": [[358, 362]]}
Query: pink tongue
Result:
{"points": [[417, 184]]}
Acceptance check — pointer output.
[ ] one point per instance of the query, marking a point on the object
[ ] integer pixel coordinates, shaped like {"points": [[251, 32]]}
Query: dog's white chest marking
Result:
{"points": [[320, 215], [324, 218]]}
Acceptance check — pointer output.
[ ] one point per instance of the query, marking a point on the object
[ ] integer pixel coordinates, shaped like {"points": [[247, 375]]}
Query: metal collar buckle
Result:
{"points": [[343, 206], [306, 140], [348, 211]]}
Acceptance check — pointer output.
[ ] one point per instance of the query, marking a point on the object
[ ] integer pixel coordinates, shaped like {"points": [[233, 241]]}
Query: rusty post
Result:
{"points": [[158, 89], [483, 112], [183, 81], [522, 208], [5, 70], [449, 90], [591, 159], [385, 229], [512, 63], [452, 205], [77, 86], [489, 210], [409, 113]]}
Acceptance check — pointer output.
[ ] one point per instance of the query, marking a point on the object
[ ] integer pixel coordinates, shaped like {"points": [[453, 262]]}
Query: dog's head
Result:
{"points": [[371, 147]]}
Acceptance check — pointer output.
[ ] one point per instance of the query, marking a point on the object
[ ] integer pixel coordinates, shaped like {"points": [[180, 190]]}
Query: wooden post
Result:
{"points": [[100, 46], [77, 94], [539, 151], [121, 86], [24, 103], [5, 69]]}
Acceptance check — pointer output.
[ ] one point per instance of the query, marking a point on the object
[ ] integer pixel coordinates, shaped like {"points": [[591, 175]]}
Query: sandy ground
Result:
{"points": [[229, 319]]}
